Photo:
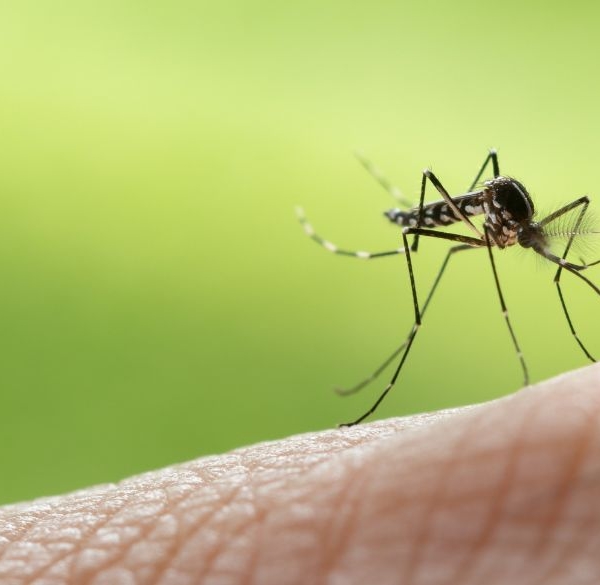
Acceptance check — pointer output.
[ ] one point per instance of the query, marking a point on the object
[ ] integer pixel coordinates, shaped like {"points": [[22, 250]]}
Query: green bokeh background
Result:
{"points": [[159, 300]]}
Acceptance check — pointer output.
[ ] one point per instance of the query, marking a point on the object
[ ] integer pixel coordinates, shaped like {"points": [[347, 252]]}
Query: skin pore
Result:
{"points": [[499, 493]]}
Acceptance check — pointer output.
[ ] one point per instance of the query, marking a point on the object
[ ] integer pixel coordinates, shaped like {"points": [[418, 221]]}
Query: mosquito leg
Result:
{"points": [[409, 340], [415, 244], [574, 269], [383, 181], [505, 310], [473, 242], [310, 232], [582, 202], [571, 327], [493, 157], [427, 174], [562, 263], [388, 361], [588, 264]]}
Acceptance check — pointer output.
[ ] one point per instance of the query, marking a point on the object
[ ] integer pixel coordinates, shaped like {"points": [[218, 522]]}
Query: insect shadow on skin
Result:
{"points": [[508, 219]]}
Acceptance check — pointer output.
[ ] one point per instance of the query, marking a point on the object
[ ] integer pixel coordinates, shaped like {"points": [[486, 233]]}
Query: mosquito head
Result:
{"points": [[510, 199], [531, 235]]}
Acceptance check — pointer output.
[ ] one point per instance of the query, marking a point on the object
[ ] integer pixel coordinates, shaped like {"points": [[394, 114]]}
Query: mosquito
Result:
{"points": [[508, 219]]}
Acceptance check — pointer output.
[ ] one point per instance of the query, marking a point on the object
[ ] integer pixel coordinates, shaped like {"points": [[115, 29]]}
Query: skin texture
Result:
{"points": [[500, 493]]}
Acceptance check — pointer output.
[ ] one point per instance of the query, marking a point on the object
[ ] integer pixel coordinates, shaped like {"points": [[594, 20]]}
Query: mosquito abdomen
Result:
{"points": [[438, 213]]}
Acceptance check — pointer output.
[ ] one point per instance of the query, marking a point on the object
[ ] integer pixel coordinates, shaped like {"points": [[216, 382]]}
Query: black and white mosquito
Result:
{"points": [[508, 219]]}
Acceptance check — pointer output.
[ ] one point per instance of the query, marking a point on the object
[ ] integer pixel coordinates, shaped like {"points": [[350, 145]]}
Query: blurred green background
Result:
{"points": [[159, 300]]}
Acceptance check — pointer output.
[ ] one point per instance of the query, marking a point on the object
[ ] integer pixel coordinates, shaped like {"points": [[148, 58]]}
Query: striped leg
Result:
{"points": [[383, 181], [310, 232], [505, 310], [376, 173]]}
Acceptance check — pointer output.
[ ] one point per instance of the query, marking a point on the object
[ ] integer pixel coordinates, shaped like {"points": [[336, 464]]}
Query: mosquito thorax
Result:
{"points": [[510, 199]]}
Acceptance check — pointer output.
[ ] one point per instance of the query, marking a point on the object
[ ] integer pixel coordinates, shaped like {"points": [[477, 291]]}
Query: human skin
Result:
{"points": [[506, 492]]}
